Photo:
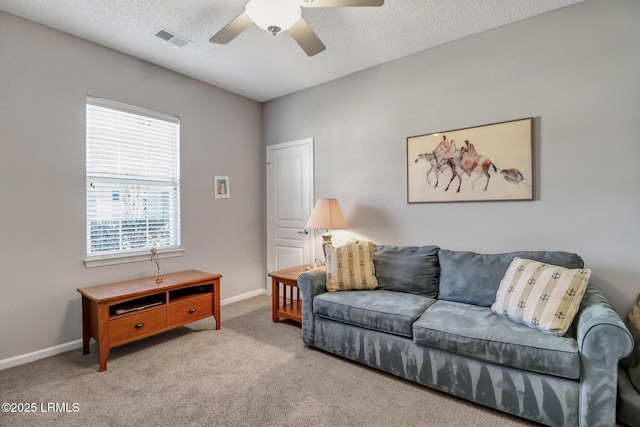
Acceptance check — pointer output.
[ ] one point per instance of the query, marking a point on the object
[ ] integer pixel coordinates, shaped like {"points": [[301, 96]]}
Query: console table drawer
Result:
{"points": [[131, 327], [188, 311]]}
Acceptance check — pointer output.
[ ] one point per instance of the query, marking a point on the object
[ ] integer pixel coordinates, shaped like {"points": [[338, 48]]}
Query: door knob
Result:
{"points": [[305, 231]]}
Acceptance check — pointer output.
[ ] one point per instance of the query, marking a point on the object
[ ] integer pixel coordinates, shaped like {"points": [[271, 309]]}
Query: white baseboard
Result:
{"points": [[39, 354], [73, 345], [243, 296]]}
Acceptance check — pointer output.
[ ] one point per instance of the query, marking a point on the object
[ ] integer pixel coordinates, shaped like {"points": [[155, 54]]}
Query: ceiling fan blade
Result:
{"points": [[232, 29], [306, 37], [342, 3]]}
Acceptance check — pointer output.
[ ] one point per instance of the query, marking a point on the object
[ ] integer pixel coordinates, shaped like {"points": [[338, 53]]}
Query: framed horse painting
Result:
{"points": [[489, 162]]}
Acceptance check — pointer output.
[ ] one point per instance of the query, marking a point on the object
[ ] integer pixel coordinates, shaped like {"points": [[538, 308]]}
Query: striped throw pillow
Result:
{"points": [[543, 296], [350, 267]]}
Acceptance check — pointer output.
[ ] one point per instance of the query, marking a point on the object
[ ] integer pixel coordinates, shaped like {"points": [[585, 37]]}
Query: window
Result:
{"points": [[133, 181]]}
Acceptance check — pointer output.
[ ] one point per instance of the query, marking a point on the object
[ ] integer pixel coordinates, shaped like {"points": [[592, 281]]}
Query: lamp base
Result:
{"points": [[326, 241]]}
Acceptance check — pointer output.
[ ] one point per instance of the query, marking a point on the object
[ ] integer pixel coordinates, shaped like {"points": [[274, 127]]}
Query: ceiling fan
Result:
{"points": [[275, 16]]}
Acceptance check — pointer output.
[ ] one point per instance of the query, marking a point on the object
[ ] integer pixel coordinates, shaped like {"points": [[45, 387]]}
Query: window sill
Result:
{"points": [[100, 261]]}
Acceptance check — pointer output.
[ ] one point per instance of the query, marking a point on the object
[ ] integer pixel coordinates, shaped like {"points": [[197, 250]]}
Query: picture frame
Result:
{"points": [[482, 163], [221, 187]]}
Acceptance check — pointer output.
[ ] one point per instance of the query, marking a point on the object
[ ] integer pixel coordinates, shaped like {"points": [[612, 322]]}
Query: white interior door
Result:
{"points": [[289, 204]]}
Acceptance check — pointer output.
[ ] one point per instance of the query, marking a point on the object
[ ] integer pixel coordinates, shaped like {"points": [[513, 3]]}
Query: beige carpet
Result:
{"points": [[251, 372]]}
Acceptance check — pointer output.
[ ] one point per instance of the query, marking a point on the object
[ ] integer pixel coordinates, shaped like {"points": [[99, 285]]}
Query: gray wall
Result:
{"points": [[575, 70], [44, 78]]}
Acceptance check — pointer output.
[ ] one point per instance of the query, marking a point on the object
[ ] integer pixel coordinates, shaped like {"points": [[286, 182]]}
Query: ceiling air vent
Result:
{"points": [[172, 38]]}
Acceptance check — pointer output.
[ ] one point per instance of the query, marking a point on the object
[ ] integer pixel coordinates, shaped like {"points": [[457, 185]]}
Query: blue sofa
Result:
{"points": [[429, 321]]}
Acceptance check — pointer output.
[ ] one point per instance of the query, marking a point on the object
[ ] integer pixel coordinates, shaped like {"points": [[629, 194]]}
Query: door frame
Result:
{"points": [[269, 149]]}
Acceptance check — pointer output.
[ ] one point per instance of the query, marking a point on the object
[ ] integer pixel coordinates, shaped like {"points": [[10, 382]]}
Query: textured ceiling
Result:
{"points": [[258, 65]]}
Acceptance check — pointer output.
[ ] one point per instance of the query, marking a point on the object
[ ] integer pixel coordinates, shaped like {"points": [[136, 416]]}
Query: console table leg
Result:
{"points": [[275, 299], [216, 304], [103, 335], [86, 324], [104, 354]]}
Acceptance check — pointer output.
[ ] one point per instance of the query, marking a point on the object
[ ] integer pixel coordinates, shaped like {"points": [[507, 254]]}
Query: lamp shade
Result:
{"points": [[327, 215], [273, 15]]}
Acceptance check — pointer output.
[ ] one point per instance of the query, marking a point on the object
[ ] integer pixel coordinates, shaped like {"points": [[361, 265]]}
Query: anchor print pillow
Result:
{"points": [[543, 296], [350, 267]]}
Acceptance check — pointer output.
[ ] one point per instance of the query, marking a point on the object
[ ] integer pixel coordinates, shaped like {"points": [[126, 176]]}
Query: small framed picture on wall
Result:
{"points": [[221, 187]]}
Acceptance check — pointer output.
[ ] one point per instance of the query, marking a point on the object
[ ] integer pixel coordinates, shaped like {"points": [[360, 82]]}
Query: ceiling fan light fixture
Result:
{"points": [[273, 16]]}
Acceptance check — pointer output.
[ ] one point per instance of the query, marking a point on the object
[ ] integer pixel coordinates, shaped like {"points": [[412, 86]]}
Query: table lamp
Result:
{"points": [[327, 215]]}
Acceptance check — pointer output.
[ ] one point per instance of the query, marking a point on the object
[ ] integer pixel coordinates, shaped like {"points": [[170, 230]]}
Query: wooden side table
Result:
{"points": [[287, 304], [119, 313]]}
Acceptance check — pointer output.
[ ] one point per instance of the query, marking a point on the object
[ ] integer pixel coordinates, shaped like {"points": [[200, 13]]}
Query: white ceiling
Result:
{"points": [[258, 65]]}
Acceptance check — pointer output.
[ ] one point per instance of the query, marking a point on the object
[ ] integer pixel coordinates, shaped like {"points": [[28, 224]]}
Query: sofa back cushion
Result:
{"points": [[475, 278], [411, 269]]}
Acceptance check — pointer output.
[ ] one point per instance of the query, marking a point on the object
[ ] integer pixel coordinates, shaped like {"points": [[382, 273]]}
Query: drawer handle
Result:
{"points": [[193, 310], [139, 325]]}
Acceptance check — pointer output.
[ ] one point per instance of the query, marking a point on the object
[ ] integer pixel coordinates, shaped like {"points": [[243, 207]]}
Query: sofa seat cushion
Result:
{"points": [[380, 310], [479, 333]]}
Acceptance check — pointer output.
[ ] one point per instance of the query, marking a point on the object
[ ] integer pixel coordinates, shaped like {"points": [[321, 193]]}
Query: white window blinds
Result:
{"points": [[133, 179]]}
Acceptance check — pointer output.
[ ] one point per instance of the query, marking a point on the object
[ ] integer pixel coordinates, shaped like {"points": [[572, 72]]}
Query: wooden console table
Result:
{"points": [[119, 313], [287, 304]]}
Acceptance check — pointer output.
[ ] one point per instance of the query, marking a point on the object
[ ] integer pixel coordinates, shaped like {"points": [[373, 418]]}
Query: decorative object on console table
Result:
{"points": [[287, 304], [327, 215], [466, 164], [119, 313], [154, 257]]}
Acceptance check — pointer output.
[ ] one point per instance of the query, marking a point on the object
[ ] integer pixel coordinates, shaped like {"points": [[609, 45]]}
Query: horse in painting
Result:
{"points": [[438, 158], [467, 161]]}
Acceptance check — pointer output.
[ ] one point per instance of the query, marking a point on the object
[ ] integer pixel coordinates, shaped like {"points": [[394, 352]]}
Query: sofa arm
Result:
{"points": [[603, 340], [310, 283]]}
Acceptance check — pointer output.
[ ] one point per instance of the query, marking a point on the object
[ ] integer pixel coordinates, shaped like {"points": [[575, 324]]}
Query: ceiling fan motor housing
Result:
{"points": [[273, 16]]}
